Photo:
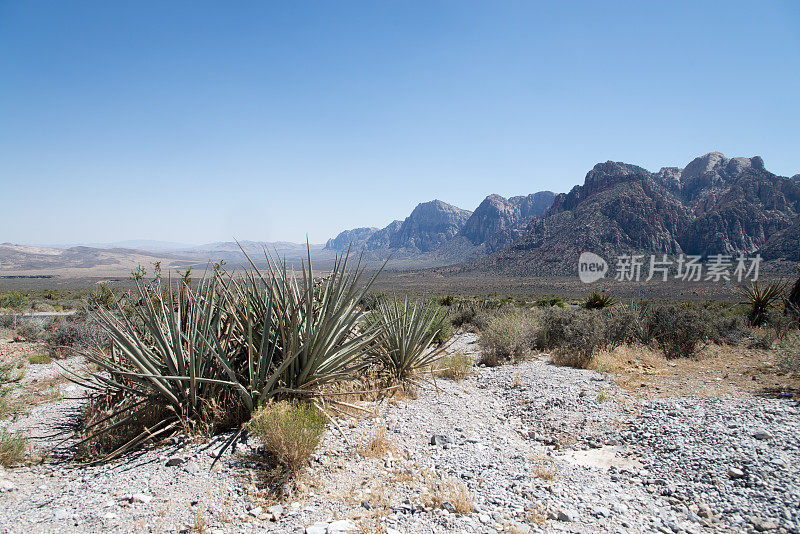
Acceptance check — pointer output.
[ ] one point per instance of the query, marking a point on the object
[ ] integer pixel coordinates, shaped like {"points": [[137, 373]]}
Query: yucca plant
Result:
{"points": [[598, 301], [208, 357], [760, 299], [409, 330]]}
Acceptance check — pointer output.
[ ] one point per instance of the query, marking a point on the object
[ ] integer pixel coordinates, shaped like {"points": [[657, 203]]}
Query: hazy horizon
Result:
{"points": [[192, 122]]}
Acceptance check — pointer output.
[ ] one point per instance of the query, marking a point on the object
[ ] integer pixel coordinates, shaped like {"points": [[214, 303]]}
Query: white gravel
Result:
{"points": [[541, 449]]}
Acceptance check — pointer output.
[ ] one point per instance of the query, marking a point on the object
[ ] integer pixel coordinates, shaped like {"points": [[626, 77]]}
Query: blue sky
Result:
{"points": [[203, 121]]}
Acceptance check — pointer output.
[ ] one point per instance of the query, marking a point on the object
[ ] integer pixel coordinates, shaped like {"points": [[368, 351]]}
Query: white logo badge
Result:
{"points": [[591, 267]]}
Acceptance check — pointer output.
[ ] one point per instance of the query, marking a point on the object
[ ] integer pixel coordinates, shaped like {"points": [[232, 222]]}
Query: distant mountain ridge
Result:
{"points": [[714, 205], [439, 233]]}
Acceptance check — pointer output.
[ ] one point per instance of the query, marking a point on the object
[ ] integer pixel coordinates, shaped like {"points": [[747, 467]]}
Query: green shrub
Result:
{"points": [[463, 315], [507, 337], [557, 302], [678, 330], [443, 327], [447, 300], [572, 336], [13, 300], [289, 431], [28, 330], [12, 448], [203, 356], [36, 359]]}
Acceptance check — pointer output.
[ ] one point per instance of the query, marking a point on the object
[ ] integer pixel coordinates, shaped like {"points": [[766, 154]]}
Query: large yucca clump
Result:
{"points": [[760, 299], [204, 358]]}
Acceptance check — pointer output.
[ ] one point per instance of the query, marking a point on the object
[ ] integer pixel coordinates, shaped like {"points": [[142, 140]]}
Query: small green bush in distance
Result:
{"points": [[678, 330], [289, 431], [556, 302], [36, 359], [442, 326], [598, 301], [507, 337], [447, 300], [12, 448]]}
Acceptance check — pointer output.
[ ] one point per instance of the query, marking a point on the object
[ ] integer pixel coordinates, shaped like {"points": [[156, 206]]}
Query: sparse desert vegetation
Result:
{"points": [[287, 384]]}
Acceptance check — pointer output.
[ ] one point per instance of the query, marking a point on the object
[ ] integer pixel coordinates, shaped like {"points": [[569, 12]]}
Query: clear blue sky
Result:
{"points": [[199, 121]]}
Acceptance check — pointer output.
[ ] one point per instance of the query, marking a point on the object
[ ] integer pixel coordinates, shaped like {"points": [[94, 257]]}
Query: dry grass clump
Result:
{"points": [[378, 445], [439, 491], [289, 431], [789, 353], [13, 448], [36, 359], [544, 468], [457, 366]]}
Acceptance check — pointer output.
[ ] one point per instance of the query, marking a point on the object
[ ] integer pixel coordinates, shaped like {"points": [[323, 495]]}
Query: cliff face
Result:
{"points": [[498, 221], [429, 226]]}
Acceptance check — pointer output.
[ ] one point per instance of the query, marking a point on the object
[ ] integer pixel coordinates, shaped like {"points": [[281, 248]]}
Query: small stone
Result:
{"points": [[440, 440], [110, 516], [7, 485], [763, 525], [449, 507], [735, 473], [60, 514], [317, 528], [566, 514], [175, 461], [276, 511], [484, 519], [340, 526], [762, 435], [255, 512], [192, 468], [141, 498]]}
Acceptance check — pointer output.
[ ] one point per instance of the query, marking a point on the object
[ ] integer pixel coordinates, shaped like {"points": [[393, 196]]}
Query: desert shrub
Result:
{"points": [[289, 431], [789, 352], [463, 315], [28, 330], [620, 325], [456, 366], [446, 300], [442, 326], [12, 448], [572, 336], [598, 301], [507, 337], [13, 300], [73, 335], [557, 302], [678, 331], [728, 329], [7, 321], [408, 330], [370, 300]]}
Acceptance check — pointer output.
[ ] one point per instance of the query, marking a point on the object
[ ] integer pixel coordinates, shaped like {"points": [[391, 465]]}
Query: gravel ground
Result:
{"points": [[540, 449]]}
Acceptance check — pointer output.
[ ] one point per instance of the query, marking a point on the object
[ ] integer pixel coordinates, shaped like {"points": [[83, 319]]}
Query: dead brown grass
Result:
{"points": [[717, 370], [440, 490], [378, 445], [544, 468]]}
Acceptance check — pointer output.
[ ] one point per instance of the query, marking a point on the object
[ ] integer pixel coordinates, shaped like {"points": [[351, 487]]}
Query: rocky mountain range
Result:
{"points": [[714, 205], [437, 232]]}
